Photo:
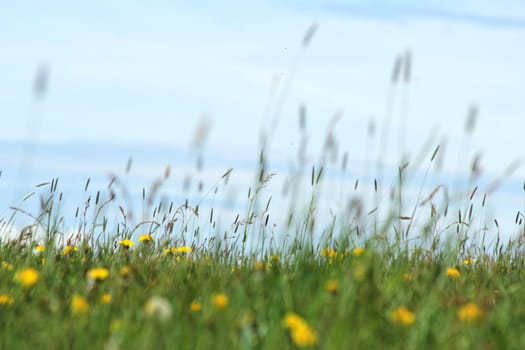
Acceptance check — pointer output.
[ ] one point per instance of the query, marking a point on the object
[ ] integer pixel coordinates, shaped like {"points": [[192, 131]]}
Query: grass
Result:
{"points": [[354, 279]]}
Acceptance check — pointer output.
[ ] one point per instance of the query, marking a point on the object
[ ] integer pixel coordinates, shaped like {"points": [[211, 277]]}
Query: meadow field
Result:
{"points": [[359, 282]]}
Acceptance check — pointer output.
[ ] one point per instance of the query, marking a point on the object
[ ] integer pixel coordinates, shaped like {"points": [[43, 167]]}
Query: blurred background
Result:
{"points": [[85, 87]]}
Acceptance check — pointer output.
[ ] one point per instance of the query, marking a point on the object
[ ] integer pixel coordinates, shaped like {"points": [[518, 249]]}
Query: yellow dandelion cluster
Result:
{"points": [[195, 306], [300, 331], [98, 273], [146, 238], [358, 251], [220, 301], [452, 272], [126, 243], [69, 249], [79, 304], [469, 312], [178, 250], [27, 277], [331, 286], [403, 316], [6, 300]]}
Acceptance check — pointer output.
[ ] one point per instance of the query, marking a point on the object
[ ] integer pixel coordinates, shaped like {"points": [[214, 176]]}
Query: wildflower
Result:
{"points": [[275, 258], [7, 266], [328, 253], [40, 248], [158, 307], [403, 316], [6, 300], [175, 250], [301, 333], [125, 271], [258, 265], [469, 261], [79, 304], [98, 273], [126, 243], [469, 312], [146, 238], [331, 286], [220, 301], [452, 272], [195, 306], [69, 249], [105, 298], [358, 251], [27, 277]]}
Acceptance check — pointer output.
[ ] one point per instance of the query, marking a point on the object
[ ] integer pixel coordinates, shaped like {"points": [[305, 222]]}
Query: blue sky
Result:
{"points": [[140, 73]]}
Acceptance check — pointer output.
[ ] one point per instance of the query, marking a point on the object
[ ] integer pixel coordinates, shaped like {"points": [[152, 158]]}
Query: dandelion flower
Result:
{"points": [[358, 251], [178, 250], [469, 312], [126, 243], [79, 304], [125, 271], [40, 248], [69, 249], [220, 301], [146, 238], [331, 286], [105, 298], [452, 272], [328, 253], [403, 316], [158, 307], [300, 331], [195, 306], [469, 261], [98, 273], [27, 277], [6, 300]]}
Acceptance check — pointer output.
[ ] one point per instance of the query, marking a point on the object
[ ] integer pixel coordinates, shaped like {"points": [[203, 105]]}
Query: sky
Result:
{"points": [[134, 74]]}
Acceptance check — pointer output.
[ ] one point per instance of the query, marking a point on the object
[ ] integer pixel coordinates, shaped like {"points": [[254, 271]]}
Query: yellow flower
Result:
{"points": [[175, 250], [69, 249], [469, 312], [220, 301], [452, 272], [301, 333], [27, 277], [158, 307], [328, 253], [146, 238], [275, 258], [126, 243], [358, 251], [403, 316], [258, 265], [79, 304], [331, 286], [195, 306], [98, 273], [125, 271], [105, 298], [7, 266], [40, 248], [6, 300], [469, 261]]}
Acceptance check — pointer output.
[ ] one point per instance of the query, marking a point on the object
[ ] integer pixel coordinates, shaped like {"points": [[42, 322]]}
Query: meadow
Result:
{"points": [[407, 270]]}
